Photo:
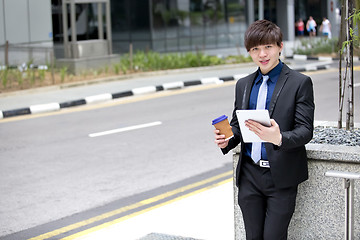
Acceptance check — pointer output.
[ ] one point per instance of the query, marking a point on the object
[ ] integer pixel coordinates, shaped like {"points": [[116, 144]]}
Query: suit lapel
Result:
{"points": [[278, 87]]}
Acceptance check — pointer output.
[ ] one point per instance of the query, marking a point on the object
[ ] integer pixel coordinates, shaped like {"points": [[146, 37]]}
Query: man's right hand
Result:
{"points": [[220, 139]]}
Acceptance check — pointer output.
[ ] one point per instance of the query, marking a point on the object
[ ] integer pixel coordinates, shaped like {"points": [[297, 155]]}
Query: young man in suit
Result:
{"points": [[268, 173]]}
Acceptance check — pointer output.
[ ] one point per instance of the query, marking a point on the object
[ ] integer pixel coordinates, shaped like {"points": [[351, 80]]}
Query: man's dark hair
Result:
{"points": [[262, 32]]}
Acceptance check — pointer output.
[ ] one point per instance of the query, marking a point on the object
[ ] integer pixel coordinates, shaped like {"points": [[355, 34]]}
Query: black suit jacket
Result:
{"points": [[292, 107]]}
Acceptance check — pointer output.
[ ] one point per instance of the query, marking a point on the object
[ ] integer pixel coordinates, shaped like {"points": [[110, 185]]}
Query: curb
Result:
{"points": [[51, 107], [305, 57]]}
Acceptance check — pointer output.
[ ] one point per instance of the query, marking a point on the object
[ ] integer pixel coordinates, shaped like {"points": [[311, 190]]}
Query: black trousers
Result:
{"points": [[267, 211]]}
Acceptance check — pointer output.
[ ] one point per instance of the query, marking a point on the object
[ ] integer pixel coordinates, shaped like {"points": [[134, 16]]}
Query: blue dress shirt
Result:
{"points": [[273, 77]]}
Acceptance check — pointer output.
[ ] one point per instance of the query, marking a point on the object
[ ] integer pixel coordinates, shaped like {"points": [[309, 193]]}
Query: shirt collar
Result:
{"points": [[272, 74]]}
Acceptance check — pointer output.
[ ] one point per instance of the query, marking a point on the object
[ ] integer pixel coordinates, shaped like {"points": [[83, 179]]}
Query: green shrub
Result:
{"points": [[41, 73], [152, 61], [63, 73], [317, 46], [19, 77], [116, 68], [4, 77]]}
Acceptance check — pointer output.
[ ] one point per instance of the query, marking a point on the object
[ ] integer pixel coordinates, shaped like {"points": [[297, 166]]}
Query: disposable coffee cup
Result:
{"points": [[222, 123]]}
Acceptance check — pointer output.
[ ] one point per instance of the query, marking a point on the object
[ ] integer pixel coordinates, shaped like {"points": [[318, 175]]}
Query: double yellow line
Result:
{"points": [[214, 180]]}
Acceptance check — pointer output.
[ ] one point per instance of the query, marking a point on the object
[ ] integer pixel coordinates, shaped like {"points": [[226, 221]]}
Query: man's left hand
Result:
{"points": [[268, 134]]}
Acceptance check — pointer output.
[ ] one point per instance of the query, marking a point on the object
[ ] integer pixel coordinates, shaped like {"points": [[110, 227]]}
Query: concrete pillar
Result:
{"points": [[333, 16], [250, 11], [73, 22], [108, 27], [67, 52], [261, 9], [100, 21], [286, 18]]}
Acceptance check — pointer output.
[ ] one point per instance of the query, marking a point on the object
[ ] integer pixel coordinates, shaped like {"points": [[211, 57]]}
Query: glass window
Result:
{"points": [[170, 20], [158, 19], [184, 44], [214, 15], [236, 39], [183, 16], [120, 22], [236, 15], [171, 45], [196, 17], [158, 45], [85, 17], [198, 43], [130, 20], [197, 24], [139, 19], [211, 41], [223, 40]]}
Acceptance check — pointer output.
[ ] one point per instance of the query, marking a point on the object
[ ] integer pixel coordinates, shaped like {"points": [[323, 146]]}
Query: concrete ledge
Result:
{"points": [[320, 207], [327, 152]]}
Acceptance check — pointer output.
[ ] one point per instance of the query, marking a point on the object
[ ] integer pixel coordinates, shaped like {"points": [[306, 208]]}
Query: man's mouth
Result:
{"points": [[264, 62]]}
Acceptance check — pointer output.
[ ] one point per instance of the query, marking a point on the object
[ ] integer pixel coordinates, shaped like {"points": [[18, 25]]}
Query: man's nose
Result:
{"points": [[263, 52]]}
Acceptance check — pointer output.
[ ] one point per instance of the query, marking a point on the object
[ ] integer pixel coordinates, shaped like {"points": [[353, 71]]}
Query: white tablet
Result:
{"points": [[261, 116]]}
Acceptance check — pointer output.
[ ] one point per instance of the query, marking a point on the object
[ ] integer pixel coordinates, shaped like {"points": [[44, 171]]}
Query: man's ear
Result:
{"points": [[281, 48]]}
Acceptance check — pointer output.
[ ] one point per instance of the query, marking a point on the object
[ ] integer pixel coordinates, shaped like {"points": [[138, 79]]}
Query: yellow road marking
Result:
{"points": [[108, 224], [130, 207]]}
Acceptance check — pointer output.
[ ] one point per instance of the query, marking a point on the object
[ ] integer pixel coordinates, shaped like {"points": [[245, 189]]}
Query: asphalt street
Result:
{"points": [[59, 168]]}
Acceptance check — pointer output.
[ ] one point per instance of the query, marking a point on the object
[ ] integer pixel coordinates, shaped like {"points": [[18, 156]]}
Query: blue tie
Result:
{"points": [[260, 104]]}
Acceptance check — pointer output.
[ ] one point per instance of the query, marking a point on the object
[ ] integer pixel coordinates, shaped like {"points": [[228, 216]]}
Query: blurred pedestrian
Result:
{"points": [[311, 27], [325, 28], [300, 26]]}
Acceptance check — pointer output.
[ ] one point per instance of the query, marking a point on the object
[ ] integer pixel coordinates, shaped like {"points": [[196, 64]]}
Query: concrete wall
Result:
{"points": [[320, 207], [25, 21]]}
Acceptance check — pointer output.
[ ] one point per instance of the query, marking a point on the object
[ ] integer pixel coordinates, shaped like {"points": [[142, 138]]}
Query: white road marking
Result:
{"points": [[118, 130]]}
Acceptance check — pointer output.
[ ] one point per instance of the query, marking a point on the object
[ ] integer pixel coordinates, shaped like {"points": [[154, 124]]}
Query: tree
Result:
{"points": [[349, 29]]}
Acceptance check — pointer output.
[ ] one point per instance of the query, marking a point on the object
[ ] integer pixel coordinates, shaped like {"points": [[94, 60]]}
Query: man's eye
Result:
{"points": [[269, 46]]}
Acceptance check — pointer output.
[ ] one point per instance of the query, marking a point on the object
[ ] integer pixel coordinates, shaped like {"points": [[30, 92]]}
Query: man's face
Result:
{"points": [[266, 56]]}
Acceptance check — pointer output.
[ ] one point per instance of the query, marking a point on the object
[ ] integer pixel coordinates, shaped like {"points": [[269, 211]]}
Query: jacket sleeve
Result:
{"points": [[233, 142], [302, 131]]}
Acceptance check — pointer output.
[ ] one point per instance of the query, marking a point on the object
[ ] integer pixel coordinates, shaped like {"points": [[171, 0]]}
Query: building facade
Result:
{"points": [[190, 25], [158, 25]]}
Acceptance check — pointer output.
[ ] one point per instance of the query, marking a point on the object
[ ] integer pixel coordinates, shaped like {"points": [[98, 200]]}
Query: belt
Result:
{"points": [[260, 163]]}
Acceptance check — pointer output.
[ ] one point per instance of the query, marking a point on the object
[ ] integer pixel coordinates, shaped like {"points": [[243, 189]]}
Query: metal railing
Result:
{"points": [[17, 54], [349, 179]]}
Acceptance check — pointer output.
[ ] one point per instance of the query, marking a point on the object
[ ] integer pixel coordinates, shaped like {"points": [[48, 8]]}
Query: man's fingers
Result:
{"points": [[273, 122], [254, 126]]}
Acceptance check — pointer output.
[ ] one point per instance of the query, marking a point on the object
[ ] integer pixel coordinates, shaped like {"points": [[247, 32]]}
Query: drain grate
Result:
{"points": [[160, 236]]}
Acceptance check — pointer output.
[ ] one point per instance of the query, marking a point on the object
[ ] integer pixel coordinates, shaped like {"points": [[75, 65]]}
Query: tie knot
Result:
{"points": [[265, 78]]}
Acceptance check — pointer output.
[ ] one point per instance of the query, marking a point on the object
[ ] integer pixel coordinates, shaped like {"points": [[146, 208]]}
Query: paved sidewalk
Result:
{"points": [[208, 215]]}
